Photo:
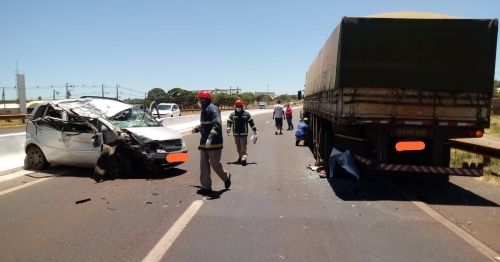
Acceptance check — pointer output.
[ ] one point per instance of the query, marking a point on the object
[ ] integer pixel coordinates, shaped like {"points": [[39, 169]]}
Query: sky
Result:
{"points": [[191, 44]]}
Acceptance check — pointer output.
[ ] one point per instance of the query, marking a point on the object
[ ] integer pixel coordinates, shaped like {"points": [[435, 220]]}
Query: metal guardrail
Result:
{"points": [[13, 116], [485, 151]]}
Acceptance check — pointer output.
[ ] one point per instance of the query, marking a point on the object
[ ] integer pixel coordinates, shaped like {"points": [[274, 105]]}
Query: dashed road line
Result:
{"points": [[15, 175], [34, 182], [161, 248]]}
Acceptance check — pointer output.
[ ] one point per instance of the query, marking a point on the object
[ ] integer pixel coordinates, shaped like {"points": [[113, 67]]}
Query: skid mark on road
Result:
{"points": [[168, 239], [485, 250]]}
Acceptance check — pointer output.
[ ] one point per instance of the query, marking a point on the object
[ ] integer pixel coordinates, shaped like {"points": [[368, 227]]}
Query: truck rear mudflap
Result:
{"points": [[470, 172]]}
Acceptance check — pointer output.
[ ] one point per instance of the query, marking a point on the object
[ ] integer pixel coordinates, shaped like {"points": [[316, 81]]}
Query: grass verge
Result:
{"points": [[494, 129], [491, 173]]}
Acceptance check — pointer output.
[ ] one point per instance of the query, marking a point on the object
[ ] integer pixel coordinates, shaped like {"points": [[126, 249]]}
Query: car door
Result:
{"points": [[48, 134], [77, 140], [175, 110]]}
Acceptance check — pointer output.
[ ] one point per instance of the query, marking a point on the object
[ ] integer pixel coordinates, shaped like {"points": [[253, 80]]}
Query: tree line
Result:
{"points": [[188, 99]]}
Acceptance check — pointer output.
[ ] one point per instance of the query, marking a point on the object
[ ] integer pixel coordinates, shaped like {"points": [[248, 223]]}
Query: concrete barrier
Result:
{"points": [[12, 155]]}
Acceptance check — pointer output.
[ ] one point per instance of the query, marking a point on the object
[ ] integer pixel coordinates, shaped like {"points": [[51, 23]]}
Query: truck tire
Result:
{"points": [[327, 150], [36, 158]]}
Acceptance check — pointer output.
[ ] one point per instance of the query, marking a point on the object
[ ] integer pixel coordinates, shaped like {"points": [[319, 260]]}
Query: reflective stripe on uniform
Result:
{"points": [[206, 122], [214, 132], [212, 146]]}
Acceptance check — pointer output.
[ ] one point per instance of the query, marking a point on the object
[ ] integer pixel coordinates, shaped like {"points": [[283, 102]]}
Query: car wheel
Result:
{"points": [[36, 158], [119, 165]]}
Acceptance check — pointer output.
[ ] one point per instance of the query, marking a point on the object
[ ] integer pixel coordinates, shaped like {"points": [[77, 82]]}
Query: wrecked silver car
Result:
{"points": [[107, 134]]}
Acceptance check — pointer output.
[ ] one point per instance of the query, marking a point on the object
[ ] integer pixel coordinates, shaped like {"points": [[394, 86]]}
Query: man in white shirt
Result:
{"points": [[278, 117]]}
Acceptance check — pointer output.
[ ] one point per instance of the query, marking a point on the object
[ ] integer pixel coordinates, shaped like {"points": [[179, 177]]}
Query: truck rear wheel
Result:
{"points": [[327, 150]]}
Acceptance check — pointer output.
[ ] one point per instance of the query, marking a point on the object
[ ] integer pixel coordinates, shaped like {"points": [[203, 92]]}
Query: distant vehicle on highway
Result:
{"points": [[168, 110], [79, 132]]}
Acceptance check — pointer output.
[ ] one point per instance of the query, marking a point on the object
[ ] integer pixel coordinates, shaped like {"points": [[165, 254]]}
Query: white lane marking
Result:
{"points": [[34, 182], [14, 134], [15, 175], [482, 248], [23, 186], [168, 239]]}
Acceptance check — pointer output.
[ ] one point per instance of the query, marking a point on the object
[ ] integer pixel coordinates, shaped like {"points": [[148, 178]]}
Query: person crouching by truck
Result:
{"points": [[238, 122], [300, 134]]}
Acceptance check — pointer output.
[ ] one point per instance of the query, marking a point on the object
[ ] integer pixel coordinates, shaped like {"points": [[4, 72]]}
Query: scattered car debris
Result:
{"points": [[82, 201], [155, 194], [314, 168], [111, 208], [149, 203]]}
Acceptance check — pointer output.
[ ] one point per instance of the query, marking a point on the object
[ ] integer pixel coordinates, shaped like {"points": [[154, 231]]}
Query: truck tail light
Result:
{"points": [[479, 133]]}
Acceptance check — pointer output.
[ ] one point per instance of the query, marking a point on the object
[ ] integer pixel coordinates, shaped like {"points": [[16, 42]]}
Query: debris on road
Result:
{"points": [[111, 208], [469, 223], [155, 194], [314, 168], [149, 202], [82, 201]]}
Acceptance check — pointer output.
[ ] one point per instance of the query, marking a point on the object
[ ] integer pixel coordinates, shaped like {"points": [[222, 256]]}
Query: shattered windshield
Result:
{"points": [[133, 118], [164, 107]]}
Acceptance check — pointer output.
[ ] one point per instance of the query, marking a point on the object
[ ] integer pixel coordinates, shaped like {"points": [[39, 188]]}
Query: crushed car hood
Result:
{"points": [[159, 133], [94, 108]]}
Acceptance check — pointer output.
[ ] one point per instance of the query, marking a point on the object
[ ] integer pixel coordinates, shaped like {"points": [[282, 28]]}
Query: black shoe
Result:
{"points": [[227, 183], [204, 191], [239, 160], [281, 133], [244, 162], [275, 132]]}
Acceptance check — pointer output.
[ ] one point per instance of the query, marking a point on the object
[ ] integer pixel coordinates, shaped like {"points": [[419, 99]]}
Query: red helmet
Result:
{"points": [[205, 94], [238, 103]]}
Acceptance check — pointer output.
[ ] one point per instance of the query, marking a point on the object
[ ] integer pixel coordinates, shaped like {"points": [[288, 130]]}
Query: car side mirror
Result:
{"points": [[97, 140]]}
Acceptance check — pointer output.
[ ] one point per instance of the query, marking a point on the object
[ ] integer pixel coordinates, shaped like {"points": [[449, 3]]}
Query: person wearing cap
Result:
{"points": [[300, 134], [237, 124], [211, 143]]}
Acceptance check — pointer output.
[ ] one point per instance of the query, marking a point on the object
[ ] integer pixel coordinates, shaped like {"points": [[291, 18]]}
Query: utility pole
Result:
{"points": [[103, 90], [54, 94], [67, 97], [117, 91]]}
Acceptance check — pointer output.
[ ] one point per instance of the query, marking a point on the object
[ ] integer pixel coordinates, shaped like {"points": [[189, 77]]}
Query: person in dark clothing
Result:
{"points": [[211, 143], [238, 122]]}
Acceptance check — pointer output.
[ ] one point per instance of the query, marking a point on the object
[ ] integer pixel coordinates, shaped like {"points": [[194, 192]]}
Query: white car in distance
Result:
{"points": [[167, 110]]}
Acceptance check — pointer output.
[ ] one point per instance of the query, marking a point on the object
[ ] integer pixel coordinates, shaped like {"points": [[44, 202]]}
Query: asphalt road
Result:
{"points": [[275, 210]]}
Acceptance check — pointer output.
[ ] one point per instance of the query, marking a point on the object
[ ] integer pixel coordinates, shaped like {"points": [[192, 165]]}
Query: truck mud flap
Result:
{"points": [[433, 170]]}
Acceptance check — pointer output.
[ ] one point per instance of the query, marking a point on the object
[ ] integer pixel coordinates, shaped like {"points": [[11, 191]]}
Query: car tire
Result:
{"points": [[36, 158], [119, 166]]}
